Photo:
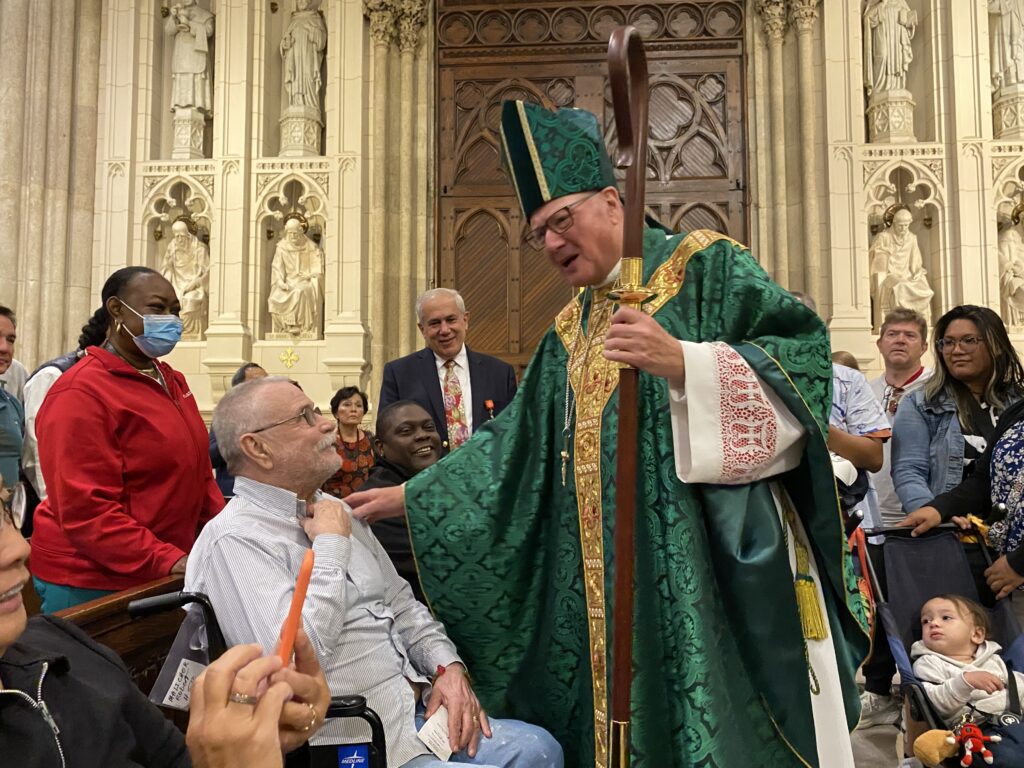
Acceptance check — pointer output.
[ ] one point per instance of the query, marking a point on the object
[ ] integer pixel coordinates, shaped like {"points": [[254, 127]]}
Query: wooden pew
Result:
{"points": [[142, 643]]}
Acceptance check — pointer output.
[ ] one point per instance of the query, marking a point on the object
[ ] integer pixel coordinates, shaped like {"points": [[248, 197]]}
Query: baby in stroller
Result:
{"points": [[959, 667]]}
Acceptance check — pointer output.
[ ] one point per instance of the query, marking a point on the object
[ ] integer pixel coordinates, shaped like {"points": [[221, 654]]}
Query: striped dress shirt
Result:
{"points": [[371, 635]]}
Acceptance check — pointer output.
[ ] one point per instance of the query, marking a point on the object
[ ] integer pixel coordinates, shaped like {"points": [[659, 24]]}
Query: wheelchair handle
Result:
{"points": [[148, 605], [355, 706]]}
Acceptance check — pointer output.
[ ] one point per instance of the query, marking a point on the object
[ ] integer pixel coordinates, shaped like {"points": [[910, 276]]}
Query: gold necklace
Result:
{"points": [[153, 373]]}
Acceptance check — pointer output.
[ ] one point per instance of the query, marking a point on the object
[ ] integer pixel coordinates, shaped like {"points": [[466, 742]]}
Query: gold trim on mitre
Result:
{"points": [[542, 182]]}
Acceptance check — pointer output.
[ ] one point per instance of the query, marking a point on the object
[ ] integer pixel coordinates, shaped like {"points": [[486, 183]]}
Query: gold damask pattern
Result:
{"points": [[593, 379]]}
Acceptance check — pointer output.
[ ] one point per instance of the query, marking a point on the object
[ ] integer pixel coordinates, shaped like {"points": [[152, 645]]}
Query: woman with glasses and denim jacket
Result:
{"points": [[942, 430]]}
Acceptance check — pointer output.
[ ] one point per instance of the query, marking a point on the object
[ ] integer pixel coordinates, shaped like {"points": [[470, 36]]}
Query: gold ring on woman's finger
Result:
{"points": [[312, 722], [244, 698]]}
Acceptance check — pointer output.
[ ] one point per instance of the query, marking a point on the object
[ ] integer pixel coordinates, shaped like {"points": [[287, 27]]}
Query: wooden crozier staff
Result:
{"points": [[627, 71]]}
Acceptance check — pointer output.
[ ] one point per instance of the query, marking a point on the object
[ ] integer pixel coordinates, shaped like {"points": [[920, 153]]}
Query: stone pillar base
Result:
{"points": [[1008, 112], [300, 132], [891, 117], [189, 128]]}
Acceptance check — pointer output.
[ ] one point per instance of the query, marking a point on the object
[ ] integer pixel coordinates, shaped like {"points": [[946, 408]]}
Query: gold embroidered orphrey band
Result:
{"points": [[592, 388]]}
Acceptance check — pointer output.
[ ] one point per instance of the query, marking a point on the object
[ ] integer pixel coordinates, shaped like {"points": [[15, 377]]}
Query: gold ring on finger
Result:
{"points": [[312, 722]]}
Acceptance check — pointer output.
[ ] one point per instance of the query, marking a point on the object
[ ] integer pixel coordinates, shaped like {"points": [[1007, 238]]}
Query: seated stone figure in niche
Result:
{"points": [[296, 282], [186, 264], [302, 51], [898, 277], [1011, 271]]}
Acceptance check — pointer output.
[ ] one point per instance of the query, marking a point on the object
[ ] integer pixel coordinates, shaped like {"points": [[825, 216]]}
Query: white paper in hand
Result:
{"points": [[434, 734]]}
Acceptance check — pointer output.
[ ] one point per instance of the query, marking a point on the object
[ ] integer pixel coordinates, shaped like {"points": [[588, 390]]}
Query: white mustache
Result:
{"points": [[327, 441]]}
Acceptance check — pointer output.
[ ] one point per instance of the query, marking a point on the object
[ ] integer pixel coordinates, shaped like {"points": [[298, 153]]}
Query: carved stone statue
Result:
{"points": [[302, 49], [889, 27], [1011, 274], [296, 284], [898, 277], [1006, 38], [192, 85], [186, 265]]}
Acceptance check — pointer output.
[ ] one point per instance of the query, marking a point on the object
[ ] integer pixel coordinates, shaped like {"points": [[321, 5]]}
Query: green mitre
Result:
{"points": [[550, 154]]}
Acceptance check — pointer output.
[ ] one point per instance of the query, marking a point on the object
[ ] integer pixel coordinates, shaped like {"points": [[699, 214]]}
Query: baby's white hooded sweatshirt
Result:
{"points": [[947, 690]]}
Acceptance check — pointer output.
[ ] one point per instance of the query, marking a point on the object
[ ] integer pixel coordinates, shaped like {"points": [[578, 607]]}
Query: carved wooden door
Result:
{"points": [[555, 54]]}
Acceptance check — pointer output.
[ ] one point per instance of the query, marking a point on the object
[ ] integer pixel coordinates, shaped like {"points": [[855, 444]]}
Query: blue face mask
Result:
{"points": [[160, 333]]}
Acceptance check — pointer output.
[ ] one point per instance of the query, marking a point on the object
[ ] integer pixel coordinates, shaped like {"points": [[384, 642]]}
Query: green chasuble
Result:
{"points": [[519, 566]]}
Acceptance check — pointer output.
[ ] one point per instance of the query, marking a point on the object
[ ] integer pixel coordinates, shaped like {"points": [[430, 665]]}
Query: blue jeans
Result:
{"points": [[57, 597], [513, 744]]}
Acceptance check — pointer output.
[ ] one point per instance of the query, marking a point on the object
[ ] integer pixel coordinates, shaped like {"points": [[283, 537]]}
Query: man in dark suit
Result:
{"points": [[453, 383]]}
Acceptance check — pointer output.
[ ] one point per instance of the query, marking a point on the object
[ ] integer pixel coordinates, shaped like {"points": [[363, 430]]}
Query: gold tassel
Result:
{"points": [[811, 619]]}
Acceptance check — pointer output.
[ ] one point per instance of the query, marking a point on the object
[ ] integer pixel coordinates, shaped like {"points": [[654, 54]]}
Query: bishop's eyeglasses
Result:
{"points": [[558, 222]]}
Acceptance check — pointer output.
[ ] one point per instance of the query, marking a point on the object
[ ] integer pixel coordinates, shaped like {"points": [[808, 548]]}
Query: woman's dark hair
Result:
{"points": [[1006, 383], [239, 376], [95, 331], [344, 394]]}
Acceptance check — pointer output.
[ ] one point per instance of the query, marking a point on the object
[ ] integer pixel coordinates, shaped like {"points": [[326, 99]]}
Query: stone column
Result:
{"points": [[229, 335], [381, 16], [773, 18], [14, 15], [82, 182], [41, 26], [410, 23], [57, 177], [805, 14]]}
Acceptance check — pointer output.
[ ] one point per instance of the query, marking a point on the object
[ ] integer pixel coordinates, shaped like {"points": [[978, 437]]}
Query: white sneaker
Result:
{"points": [[877, 710]]}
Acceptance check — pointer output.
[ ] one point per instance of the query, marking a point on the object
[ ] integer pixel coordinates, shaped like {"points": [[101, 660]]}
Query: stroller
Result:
{"points": [[916, 570]]}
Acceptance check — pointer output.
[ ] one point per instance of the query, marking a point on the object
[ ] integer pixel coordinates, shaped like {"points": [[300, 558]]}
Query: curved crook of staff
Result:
{"points": [[627, 71]]}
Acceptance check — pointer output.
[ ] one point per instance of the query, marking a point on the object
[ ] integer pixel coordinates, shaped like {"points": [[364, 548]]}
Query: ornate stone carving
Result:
{"points": [[773, 19], [1008, 112], [804, 14], [381, 15], [186, 264], [296, 284], [898, 277], [889, 27], [412, 17], [581, 26], [891, 117], [191, 78], [1006, 40], [302, 53], [1011, 271]]}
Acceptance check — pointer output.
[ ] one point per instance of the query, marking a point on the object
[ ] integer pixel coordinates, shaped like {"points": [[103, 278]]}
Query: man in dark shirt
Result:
{"points": [[407, 442]]}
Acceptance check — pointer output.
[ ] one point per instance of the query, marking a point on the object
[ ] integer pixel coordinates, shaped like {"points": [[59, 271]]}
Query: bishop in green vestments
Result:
{"points": [[748, 623]]}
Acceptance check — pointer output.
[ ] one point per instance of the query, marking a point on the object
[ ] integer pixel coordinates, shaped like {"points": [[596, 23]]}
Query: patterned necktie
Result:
{"points": [[454, 408]]}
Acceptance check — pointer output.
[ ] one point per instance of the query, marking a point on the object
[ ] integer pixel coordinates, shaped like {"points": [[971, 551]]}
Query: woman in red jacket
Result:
{"points": [[124, 455]]}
